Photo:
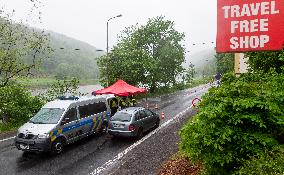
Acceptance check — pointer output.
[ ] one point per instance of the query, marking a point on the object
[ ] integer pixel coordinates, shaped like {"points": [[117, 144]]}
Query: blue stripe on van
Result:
{"points": [[77, 125], [55, 133]]}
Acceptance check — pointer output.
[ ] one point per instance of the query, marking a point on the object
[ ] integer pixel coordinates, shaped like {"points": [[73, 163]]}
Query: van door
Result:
{"points": [[86, 118], [70, 125]]}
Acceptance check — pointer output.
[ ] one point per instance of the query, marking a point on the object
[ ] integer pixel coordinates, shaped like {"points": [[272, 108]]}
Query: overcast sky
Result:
{"points": [[86, 19]]}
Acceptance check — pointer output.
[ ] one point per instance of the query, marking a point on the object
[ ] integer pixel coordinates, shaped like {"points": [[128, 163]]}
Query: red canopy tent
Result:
{"points": [[120, 88]]}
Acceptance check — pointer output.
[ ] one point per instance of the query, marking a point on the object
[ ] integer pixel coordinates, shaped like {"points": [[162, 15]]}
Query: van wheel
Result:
{"points": [[103, 128], [26, 154], [57, 146]]}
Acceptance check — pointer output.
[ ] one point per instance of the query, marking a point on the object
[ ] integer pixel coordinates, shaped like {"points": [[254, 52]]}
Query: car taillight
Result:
{"points": [[131, 128]]}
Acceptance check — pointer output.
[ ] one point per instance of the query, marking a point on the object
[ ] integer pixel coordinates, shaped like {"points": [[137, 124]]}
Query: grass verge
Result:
{"points": [[42, 82]]}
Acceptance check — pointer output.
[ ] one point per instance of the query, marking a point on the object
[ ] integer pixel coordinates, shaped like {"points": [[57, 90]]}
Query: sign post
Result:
{"points": [[250, 25]]}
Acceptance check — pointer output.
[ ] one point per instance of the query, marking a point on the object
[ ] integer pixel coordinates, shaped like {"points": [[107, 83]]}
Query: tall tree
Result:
{"points": [[189, 74], [149, 54], [225, 62], [17, 42]]}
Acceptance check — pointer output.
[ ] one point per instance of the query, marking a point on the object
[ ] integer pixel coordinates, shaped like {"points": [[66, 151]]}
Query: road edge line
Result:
{"points": [[3, 140]]}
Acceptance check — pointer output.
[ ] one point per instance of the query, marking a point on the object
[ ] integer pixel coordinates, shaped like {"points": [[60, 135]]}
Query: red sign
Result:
{"points": [[250, 25]]}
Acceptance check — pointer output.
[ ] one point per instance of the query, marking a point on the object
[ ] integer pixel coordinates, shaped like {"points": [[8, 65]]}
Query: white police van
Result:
{"points": [[62, 122]]}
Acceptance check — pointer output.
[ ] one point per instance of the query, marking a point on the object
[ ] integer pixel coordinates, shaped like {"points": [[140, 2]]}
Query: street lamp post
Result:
{"points": [[120, 15], [107, 27]]}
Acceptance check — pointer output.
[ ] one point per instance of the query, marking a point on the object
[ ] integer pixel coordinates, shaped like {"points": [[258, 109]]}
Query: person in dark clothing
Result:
{"points": [[218, 77], [113, 106]]}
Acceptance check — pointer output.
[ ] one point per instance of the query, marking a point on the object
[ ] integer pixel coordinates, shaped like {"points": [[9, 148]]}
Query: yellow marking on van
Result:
{"points": [[59, 131], [94, 125], [53, 138], [99, 125]]}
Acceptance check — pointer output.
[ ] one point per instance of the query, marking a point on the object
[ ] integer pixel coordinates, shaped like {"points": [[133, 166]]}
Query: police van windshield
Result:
{"points": [[47, 116]]}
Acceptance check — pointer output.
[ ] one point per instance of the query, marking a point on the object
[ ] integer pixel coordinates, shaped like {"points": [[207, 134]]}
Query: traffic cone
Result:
{"points": [[163, 115]]}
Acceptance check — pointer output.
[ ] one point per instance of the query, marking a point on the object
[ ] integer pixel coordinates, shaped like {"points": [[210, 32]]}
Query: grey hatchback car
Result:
{"points": [[133, 122]]}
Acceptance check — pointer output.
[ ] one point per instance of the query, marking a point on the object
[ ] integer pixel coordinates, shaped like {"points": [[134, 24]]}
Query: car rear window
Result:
{"points": [[122, 117]]}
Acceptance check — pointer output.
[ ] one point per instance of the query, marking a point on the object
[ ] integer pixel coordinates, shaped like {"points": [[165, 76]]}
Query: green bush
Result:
{"points": [[270, 163], [237, 121], [17, 104]]}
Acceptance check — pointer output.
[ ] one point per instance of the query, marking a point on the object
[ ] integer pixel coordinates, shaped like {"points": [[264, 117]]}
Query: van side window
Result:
{"points": [[70, 116], [100, 107], [92, 109], [83, 111]]}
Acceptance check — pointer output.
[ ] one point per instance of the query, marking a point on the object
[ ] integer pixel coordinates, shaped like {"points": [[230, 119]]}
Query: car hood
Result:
{"points": [[36, 129]]}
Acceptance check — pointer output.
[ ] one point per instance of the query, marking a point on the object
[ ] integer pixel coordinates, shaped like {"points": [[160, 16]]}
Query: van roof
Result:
{"points": [[64, 104]]}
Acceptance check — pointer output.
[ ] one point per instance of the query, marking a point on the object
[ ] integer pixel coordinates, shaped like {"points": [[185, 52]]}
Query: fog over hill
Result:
{"points": [[204, 62], [71, 57]]}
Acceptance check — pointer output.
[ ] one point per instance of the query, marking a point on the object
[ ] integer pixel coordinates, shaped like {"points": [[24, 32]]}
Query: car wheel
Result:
{"points": [[57, 146], [157, 124], [140, 133]]}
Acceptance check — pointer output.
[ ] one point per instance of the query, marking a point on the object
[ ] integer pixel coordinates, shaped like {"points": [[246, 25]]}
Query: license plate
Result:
{"points": [[25, 147], [119, 126]]}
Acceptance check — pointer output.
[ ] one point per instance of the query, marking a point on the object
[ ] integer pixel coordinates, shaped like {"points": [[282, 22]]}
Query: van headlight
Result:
{"points": [[18, 132], [43, 136]]}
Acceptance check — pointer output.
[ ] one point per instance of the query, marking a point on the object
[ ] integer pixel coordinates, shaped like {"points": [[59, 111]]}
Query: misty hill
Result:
{"points": [[71, 57], [204, 62]]}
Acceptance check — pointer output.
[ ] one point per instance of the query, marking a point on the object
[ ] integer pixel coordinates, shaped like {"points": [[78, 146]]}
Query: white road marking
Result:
{"points": [[123, 153], [7, 139]]}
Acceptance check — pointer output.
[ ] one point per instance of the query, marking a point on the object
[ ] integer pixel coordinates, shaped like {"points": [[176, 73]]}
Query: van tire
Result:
{"points": [[103, 128], [57, 146]]}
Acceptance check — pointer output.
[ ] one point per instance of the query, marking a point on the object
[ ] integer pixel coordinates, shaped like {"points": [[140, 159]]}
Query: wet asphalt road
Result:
{"points": [[86, 155]]}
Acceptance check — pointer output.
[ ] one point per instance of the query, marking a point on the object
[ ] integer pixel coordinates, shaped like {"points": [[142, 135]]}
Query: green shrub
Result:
{"points": [[269, 163], [237, 121], [17, 104]]}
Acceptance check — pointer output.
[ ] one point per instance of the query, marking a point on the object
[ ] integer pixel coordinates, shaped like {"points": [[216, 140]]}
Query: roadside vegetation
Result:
{"points": [[240, 127], [21, 54], [45, 82]]}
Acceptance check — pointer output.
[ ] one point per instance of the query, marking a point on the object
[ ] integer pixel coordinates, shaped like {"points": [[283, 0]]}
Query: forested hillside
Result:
{"points": [[204, 62], [70, 57]]}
